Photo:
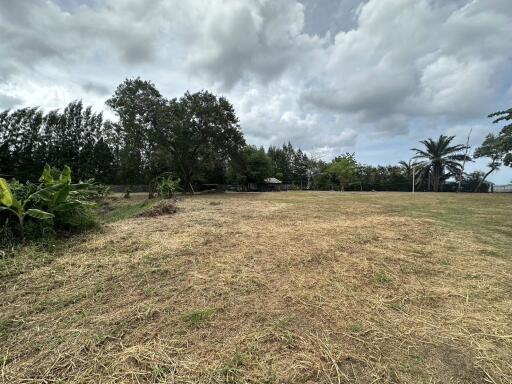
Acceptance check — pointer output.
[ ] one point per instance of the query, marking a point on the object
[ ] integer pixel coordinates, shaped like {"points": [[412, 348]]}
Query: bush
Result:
{"points": [[166, 186], [55, 204]]}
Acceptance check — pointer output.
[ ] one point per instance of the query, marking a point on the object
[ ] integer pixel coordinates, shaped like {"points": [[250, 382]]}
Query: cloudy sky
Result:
{"points": [[331, 76]]}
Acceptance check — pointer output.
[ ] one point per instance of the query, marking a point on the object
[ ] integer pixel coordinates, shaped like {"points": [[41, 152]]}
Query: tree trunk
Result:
{"points": [[437, 177], [483, 179]]}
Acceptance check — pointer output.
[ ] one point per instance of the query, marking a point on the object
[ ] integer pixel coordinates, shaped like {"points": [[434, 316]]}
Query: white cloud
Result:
{"points": [[380, 74], [418, 59]]}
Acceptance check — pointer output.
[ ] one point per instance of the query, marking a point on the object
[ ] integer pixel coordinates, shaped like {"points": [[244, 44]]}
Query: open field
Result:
{"points": [[297, 287]]}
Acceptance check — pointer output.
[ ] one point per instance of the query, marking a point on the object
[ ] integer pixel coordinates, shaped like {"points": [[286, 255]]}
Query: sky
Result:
{"points": [[331, 76]]}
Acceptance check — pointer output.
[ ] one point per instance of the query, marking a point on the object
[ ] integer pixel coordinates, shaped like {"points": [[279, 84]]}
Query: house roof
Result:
{"points": [[272, 180]]}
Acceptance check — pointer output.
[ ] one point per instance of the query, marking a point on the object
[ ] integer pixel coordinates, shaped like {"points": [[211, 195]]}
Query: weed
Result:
{"points": [[196, 317], [382, 278], [356, 328]]}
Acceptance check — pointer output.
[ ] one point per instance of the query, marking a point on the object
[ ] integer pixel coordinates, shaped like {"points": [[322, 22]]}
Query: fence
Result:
{"points": [[133, 188], [502, 188]]}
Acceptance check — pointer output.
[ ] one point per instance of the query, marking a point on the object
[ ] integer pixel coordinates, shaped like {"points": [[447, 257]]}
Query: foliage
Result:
{"points": [[167, 186], [204, 129], [437, 157], [198, 138], [10, 205], [139, 106], [76, 137], [494, 149], [55, 200], [344, 168], [505, 135], [252, 166], [290, 165]]}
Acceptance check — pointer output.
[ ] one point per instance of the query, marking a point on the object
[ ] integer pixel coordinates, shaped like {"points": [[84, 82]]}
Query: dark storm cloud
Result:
{"points": [[97, 88]]}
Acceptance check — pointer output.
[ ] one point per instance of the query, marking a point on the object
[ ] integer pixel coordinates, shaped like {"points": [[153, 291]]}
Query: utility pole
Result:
{"points": [[464, 161], [413, 178]]}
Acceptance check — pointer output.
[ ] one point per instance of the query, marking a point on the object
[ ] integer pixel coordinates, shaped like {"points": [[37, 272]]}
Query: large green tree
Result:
{"points": [[439, 159], [255, 165], [139, 106], [344, 168], [201, 127]]}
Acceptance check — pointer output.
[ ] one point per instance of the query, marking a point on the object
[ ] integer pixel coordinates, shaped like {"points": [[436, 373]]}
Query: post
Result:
{"points": [[464, 162], [413, 180]]}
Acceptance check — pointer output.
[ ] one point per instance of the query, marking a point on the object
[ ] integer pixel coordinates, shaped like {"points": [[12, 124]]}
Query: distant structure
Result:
{"points": [[273, 184], [502, 188]]}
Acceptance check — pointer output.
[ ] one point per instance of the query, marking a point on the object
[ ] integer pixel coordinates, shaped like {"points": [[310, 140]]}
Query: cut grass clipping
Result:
{"points": [[295, 287], [163, 207]]}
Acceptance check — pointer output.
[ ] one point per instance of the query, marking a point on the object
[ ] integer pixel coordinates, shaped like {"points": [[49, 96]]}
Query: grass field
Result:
{"points": [[296, 287]]}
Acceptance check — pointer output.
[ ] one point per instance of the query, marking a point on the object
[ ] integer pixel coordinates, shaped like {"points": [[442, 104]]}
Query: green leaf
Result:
{"points": [[6, 197], [41, 215], [47, 194], [47, 178], [65, 176], [62, 194]]}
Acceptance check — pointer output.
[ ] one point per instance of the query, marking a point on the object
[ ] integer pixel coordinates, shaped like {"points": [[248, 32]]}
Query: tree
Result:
{"points": [[439, 155], [282, 161], [253, 166], [408, 168], [139, 106], [76, 137], [493, 148], [475, 182], [300, 167], [505, 134], [344, 168], [201, 127]]}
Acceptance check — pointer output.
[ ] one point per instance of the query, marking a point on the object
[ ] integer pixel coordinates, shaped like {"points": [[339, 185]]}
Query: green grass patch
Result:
{"points": [[382, 278], [197, 317], [127, 210]]}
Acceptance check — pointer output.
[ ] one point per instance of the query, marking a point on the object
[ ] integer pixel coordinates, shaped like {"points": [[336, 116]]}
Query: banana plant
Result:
{"points": [[19, 209], [58, 195], [55, 198], [65, 189]]}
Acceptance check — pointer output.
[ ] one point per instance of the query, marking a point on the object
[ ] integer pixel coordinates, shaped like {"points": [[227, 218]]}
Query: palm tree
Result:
{"points": [[408, 168], [439, 156]]}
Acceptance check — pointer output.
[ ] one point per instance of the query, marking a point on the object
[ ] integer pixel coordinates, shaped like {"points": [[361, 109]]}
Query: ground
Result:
{"points": [[289, 287]]}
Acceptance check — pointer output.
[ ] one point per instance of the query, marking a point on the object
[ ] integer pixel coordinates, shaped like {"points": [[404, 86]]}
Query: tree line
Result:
{"points": [[198, 138]]}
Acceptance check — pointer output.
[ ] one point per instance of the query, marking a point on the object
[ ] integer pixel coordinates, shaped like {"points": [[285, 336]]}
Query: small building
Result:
{"points": [[273, 184]]}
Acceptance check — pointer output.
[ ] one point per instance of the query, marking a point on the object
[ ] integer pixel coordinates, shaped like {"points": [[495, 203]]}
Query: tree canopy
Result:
{"points": [[440, 159], [198, 139]]}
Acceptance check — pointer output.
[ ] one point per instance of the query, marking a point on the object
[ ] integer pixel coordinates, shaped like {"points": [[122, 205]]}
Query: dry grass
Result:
{"points": [[272, 288], [163, 207]]}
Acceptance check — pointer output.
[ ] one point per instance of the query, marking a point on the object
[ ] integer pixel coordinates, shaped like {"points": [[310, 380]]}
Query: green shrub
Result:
{"points": [[39, 210], [166, 186]]}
